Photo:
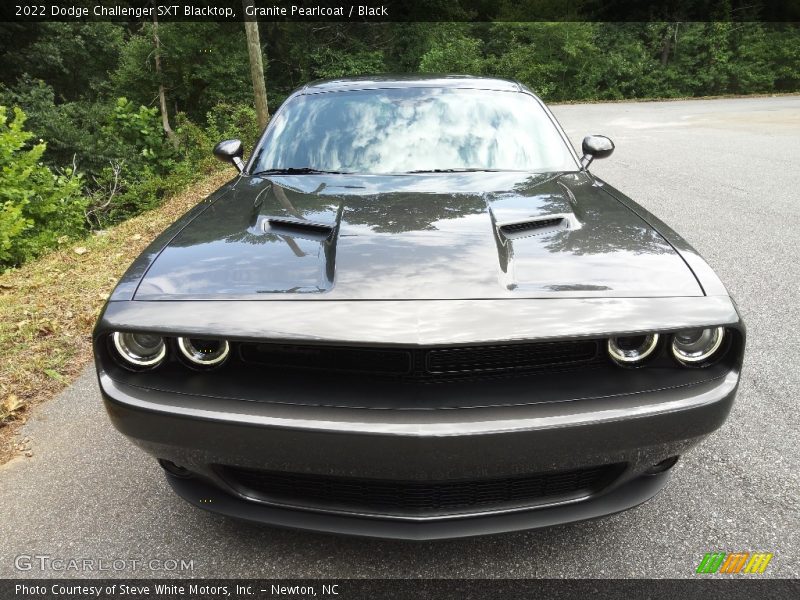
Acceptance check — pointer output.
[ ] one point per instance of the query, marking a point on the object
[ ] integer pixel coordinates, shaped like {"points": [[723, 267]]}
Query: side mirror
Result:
{"points": [[230, 151], [595, 146]]}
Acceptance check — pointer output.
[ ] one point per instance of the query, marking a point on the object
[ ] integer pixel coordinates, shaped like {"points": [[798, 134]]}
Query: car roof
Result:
{"points": [[411, 81]]}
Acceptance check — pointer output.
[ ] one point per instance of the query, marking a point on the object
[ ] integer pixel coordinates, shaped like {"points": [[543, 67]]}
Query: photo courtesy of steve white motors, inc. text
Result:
{"points": [[141, 589]]}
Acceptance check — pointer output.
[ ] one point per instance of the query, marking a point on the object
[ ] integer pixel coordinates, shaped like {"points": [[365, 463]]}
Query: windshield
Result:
{"points": [[414, 129]]}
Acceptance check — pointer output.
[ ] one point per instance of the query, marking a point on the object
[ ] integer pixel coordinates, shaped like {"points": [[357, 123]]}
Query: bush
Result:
{"points": [[138, 129], [332, 62], [37, 207], [137, 159], [224, 121], [228, 121], [143, 167], [455, 53], [72, 129]]}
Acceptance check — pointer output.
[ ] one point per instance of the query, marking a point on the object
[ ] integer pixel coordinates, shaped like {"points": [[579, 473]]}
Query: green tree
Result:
{"points": [[75, 59], [453, 49], [202, 64], [556, 60], [37, 207]]}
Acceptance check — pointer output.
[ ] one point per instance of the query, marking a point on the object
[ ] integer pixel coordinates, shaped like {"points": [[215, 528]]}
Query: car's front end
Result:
{"points": [[450, 434], [418, 355]]}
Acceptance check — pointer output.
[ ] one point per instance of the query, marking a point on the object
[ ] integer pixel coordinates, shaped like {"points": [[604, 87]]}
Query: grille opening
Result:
{"points": [[510, 357], [533, 227], [384, 496], [427, 364], [330, 358]]}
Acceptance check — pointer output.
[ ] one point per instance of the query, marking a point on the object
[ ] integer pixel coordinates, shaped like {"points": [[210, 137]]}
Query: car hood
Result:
{"points": [[427, 236]]}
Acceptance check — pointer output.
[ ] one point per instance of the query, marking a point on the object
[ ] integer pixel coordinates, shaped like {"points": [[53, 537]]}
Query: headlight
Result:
{"points": [[631, 350], [694, 346], [204, 352], [140, 349]]}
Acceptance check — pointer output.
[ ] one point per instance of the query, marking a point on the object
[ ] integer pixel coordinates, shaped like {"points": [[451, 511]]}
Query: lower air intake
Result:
{"points": [[382, 496]]}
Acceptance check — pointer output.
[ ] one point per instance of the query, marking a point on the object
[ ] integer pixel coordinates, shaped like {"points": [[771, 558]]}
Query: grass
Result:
{"points": [[48, 307]]}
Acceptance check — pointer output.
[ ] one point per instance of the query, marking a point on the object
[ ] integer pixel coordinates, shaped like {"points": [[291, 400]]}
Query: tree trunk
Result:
{"points": [[256, 67], [666, 46], [162, 97]]}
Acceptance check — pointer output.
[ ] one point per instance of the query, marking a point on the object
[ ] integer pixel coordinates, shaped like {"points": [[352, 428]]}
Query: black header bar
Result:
{"points": [[729, 588]]}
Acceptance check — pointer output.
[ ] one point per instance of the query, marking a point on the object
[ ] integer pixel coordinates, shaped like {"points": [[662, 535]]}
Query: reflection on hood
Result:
{"points": [[417, 237]]}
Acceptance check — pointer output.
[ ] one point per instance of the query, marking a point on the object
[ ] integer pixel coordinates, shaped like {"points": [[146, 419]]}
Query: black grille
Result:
{"points": [[427, 364], [332, 358], [418, 498], [509, 357], [532, 226]]}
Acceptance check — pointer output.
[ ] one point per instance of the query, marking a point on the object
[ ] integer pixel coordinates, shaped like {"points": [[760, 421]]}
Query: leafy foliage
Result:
{"points": [[136, 127], [37, 207], [613, 61], [453, 51], [204, 64], [72, 58]]}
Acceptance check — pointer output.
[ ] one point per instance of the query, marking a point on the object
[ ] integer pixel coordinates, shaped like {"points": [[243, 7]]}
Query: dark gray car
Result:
{"points": [[415, 313]]}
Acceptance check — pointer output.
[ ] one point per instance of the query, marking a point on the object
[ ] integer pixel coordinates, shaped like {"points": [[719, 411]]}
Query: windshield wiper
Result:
{"points": [[456, 170], [298, 171]]}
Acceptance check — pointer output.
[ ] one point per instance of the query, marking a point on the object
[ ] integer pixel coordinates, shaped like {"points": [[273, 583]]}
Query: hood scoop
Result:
{"points": [[530, 227], [298, 227]]}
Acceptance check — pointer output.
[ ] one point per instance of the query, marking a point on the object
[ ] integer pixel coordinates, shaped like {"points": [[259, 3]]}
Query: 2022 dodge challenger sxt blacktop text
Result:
{"points": [[415, 313]]}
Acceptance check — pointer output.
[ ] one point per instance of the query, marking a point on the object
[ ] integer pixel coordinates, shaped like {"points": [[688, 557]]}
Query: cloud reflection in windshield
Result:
{"points": [[401, 130]]}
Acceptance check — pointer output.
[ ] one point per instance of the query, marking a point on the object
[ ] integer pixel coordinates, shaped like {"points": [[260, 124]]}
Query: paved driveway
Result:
{"points": [[724, 173]]}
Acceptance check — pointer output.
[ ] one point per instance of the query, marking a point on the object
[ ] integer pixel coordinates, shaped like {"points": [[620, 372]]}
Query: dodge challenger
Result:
{"points": [[415, 313]]}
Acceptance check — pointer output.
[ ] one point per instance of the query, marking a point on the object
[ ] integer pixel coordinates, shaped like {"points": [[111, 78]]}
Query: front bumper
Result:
{"points": [[635, 430]]}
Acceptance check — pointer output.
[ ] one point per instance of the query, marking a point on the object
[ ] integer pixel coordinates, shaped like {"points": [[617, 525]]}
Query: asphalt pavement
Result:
{"points": [[724, 174]]}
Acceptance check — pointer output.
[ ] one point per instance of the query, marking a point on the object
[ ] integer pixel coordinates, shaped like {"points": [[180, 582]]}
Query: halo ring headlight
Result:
{"points": [[204, 352], [696, 346], [632, 350], [140, 350]]}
